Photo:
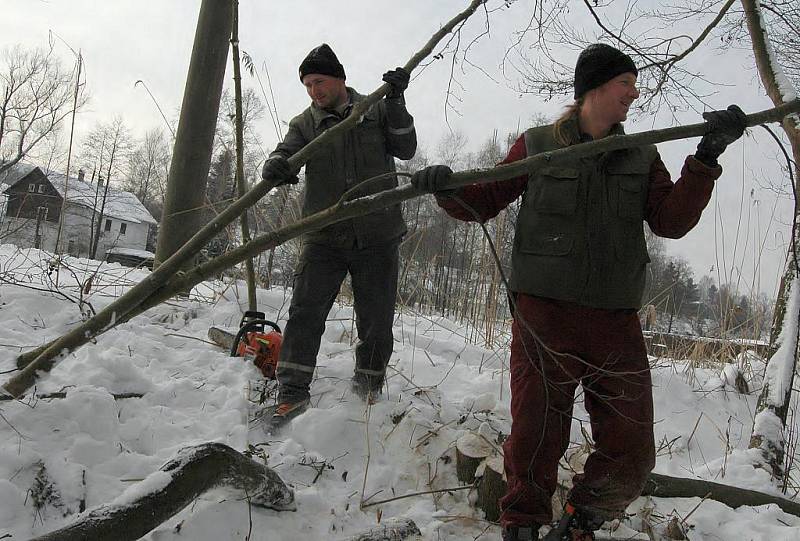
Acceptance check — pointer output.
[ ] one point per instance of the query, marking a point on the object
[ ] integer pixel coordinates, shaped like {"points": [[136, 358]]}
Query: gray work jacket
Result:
{"points": [[366, 151]]}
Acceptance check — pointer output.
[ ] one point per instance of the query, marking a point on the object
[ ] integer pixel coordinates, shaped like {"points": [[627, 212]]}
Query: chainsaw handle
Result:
{"points": [[249, 326]]}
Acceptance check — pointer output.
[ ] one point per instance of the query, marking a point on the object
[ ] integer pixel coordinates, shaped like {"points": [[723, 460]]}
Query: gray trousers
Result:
{"points": [[318, 277]]}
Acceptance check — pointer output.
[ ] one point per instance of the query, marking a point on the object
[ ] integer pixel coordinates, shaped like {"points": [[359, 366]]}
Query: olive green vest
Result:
{"points": [[340, 166], [579, 234]]}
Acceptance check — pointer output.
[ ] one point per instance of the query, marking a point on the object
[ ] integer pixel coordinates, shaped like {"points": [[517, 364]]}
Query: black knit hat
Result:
{"points": [[322, 60], [599, 63]]}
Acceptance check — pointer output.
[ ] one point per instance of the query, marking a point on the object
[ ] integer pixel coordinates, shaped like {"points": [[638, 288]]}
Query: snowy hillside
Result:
{"points": [[341, 457]]}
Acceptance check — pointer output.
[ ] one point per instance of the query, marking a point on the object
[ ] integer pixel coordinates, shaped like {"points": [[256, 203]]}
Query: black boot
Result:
{"points": [[367, 386], [521, 533], [575, 525]]}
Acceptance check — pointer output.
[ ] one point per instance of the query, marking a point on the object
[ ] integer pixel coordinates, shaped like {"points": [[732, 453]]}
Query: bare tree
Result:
{"points": [[148, 165], [37, 95], [106, 150]]}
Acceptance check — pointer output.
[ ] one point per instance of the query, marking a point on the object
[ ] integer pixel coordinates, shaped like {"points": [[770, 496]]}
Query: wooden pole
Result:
{"points": [[191, 157]]}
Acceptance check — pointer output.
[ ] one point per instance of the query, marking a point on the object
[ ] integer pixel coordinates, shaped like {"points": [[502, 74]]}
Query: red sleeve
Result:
{"points": [[489, 198], [674, 209]]}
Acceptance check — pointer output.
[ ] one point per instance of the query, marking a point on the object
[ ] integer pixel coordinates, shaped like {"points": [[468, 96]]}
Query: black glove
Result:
{"points": [[723, 128], [398, 80], [277, 168], [431, 179]]}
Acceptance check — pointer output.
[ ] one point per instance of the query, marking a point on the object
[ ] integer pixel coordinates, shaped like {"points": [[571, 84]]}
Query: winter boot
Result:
{"points": [[521, 533], [283, 412], [575, 525], [367, 386]]}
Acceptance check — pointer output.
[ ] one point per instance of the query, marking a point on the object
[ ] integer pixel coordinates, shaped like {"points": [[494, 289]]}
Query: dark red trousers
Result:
{"points": [[555, 347]]}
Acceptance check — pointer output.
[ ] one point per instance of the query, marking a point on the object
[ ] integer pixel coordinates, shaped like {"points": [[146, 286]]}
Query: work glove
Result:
{"points": [[723, 128], [432, 178], [398, 81], [277, 168]]}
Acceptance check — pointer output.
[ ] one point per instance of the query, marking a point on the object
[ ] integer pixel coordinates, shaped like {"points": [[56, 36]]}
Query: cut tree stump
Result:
{"points": [[471, 450], [192, 471], [491, 487], [390, 530]]}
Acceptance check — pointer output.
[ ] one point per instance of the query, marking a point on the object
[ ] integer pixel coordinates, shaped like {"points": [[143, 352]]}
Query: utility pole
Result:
{"points": [[186, 185]]}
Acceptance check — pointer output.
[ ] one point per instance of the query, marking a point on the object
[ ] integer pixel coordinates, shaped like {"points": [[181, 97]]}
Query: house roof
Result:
{"points": [[16, 172], [121, 205]]}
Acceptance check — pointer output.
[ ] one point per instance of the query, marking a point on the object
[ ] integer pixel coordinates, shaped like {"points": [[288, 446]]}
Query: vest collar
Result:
{"points": [[321, 114]]}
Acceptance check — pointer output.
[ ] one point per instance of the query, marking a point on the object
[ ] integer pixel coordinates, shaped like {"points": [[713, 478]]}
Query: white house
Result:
{"points": [[115, 220]]}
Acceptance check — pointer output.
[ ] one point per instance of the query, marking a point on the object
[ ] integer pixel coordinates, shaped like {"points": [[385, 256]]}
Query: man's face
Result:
{"points": [[614, 98], [325, 91]]}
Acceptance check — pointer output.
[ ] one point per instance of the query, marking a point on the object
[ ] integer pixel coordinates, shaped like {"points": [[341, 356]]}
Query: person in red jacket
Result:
{"points": [[578, 275]]}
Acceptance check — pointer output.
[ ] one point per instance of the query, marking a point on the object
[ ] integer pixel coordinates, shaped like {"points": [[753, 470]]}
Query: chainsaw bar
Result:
{"points": [[221, 337]]}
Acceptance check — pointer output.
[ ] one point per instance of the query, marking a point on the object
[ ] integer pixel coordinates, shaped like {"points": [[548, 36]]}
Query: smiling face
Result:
{"points": [[609, 103], [325, 91]]}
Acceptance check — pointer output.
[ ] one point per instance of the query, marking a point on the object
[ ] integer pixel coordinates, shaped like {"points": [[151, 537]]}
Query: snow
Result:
{"points": [[108, 451], [780, 369], [785, 87], [144, 254]]}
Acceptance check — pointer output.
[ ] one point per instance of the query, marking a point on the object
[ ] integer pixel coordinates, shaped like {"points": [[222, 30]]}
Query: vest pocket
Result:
{"points": [[557, 244], [556, 190], [630, 197]]}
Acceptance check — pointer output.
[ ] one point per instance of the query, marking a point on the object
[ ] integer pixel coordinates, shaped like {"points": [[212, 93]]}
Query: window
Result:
{"points": [[31, 187], [40, 188], [108, 225], [122, 228], [41, 214]]}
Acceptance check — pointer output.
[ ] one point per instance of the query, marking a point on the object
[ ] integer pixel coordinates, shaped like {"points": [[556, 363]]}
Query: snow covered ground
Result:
{"points": [[89, 446]]}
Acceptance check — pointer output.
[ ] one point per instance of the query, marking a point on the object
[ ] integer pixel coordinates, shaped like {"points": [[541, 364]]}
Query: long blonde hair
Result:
{"points": [[572, 111]]}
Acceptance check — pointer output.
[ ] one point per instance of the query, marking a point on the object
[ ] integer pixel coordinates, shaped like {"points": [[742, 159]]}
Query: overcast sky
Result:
{"points": [[744, 229]]}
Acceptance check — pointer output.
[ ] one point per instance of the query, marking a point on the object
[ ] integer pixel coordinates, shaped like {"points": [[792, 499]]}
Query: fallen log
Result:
{"points": [[61, 394], [192, 471], [390, 530], [664, 486]]}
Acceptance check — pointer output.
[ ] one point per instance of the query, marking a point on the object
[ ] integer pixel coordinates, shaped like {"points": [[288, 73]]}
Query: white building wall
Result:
{"points": [[75, 234], [135, 236]]}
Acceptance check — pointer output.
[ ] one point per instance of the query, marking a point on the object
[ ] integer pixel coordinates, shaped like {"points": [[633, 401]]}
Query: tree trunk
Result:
{"points": [[241, 185], [471, 450], [182, 216], [773, 404], [69, 155], [491, 487], [192, 471], [98, 225]]}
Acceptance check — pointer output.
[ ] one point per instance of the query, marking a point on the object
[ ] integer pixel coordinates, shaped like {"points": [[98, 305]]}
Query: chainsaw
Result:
{"points": [[253, 342]]}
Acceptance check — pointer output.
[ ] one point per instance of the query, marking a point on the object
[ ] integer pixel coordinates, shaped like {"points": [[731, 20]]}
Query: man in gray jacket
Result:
{"points": [[365, 246]]}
